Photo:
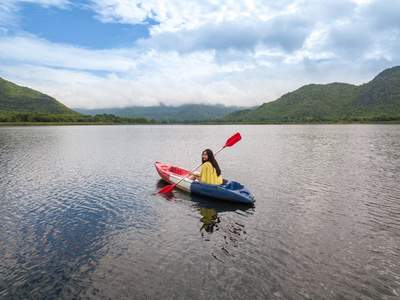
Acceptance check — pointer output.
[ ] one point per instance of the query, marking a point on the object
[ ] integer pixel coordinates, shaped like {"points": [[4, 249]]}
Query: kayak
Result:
{"points": [[229, 190]]}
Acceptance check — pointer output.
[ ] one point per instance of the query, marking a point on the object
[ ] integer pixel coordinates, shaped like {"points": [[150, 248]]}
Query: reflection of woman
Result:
{"points": [[210, 171], [209, 220]]}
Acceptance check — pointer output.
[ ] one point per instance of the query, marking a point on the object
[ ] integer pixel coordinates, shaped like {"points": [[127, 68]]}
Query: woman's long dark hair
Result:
{"points": [[212, 160]]}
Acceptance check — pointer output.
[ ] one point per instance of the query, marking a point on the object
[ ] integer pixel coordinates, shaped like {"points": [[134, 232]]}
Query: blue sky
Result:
{"points": [[117, 53], [77, 25]]}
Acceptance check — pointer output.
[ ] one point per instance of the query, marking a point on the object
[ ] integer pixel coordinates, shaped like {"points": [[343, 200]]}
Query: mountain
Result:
{"points": [[17, 99], [383, 91], [183, 113], [331, 102]]}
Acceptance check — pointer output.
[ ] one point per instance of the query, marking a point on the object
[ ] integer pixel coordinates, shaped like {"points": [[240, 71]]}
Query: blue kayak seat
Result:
{"points": [[233, 185]]}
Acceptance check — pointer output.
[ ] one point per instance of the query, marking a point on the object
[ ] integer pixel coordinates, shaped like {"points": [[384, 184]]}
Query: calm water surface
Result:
{"points": [[80, 217]]}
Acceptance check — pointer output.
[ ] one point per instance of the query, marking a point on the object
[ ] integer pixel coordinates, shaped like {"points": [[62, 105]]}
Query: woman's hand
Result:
{"points": [[195, 176]]}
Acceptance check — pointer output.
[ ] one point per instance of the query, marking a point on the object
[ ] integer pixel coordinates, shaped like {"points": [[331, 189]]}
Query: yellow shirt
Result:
{"points": [[208, 174]]}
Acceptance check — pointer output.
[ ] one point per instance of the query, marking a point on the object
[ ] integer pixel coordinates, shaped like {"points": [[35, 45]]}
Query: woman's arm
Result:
{"points": [[195, 176]]}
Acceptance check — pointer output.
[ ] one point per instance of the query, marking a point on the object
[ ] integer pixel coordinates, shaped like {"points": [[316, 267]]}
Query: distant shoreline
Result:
{"points": [[14, 124]]}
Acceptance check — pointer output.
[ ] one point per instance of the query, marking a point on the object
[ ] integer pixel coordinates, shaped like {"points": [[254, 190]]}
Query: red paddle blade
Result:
{"points": [[166, 190], [233, 140]]}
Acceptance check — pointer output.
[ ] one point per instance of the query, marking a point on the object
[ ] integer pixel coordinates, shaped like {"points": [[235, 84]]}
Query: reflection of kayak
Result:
{"points": [[229, 190]]}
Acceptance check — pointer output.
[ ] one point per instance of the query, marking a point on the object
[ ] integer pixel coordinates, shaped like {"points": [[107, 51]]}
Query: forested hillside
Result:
{"points": [[377, 100], [16, 99]]}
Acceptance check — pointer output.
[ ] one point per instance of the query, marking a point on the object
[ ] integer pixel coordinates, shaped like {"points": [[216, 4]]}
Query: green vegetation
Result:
{"points": [[24, 105], [376, 101], [189, 113], [70, 119], [16, 99]]}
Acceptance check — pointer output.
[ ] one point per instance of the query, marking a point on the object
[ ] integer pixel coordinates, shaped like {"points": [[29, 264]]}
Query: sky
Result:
{"points": [[116, 53]]}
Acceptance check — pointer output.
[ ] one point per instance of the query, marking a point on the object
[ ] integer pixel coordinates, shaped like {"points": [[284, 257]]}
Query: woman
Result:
{"points": [[210, 171]]}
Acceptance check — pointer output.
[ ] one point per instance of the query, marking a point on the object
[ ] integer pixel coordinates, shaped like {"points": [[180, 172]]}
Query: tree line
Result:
{"points": [[112, 119], [55, 118]]}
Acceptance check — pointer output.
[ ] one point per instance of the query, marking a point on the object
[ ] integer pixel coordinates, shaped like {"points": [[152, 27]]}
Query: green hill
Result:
{"points": [[380, 98], [17, 99]]}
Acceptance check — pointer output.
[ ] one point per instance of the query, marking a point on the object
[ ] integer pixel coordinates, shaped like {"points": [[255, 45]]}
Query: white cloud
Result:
{"points": [[41, 52], [174, 14]]}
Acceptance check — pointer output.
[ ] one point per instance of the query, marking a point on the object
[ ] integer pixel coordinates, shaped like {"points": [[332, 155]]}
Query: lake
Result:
{"points": [[81, 217]]}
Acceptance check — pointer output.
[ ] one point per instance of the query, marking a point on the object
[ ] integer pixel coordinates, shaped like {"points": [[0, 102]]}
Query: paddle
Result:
{"points": [[229, 143]]}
